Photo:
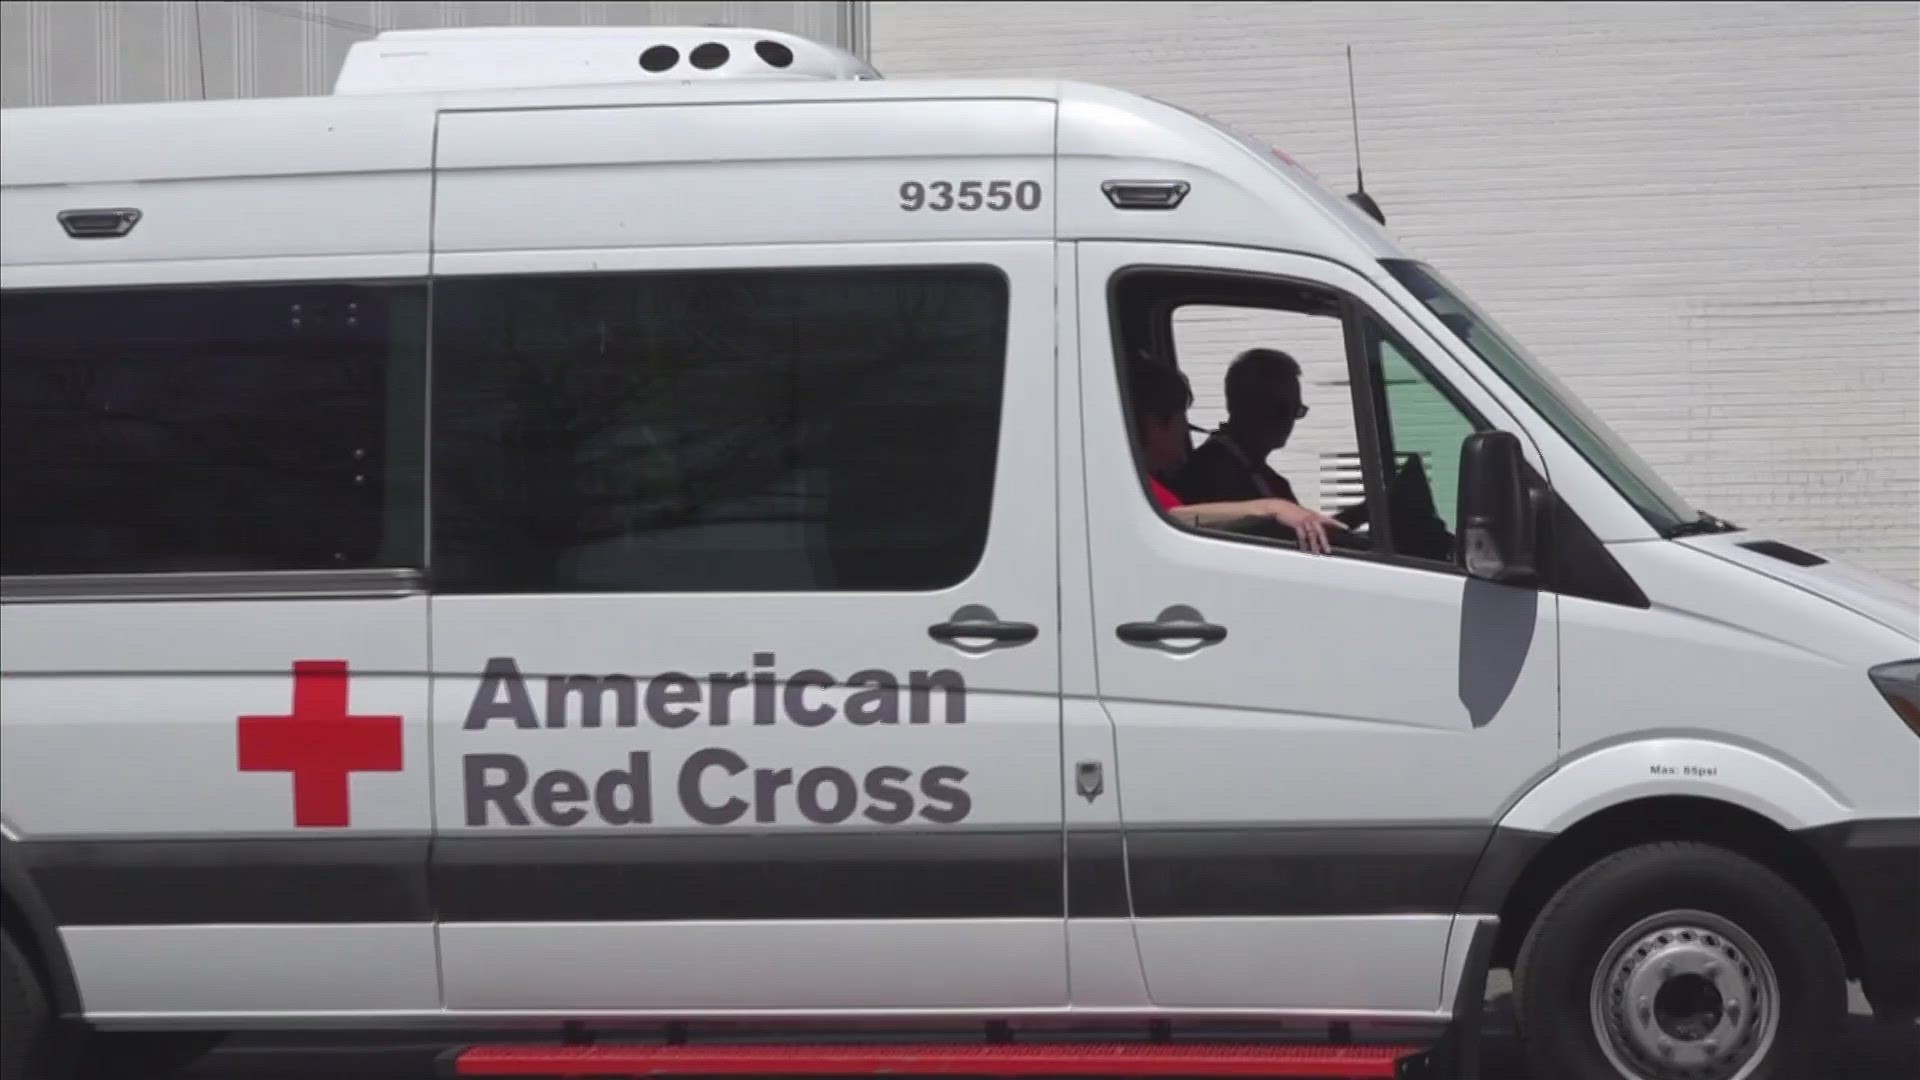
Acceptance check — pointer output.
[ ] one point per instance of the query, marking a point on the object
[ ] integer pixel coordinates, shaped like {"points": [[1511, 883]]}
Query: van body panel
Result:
{"points": [[716, 968], [1104, 965], [736, 828], [124, 730], [1358, 966], [1698, 766], [1107, 135], [1254, 767], [284, 216], [819, 172], [209, 140], [144, 700], [1732, 656], [229, 180], [1886, 602], [233, 972]]}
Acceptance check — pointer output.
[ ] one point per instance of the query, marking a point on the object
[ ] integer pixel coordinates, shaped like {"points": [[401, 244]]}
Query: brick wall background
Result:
{"points": [[1705, 217]]}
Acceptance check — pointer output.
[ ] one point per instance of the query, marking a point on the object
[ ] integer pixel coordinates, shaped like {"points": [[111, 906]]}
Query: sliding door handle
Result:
{"points": [[1000, 633]]}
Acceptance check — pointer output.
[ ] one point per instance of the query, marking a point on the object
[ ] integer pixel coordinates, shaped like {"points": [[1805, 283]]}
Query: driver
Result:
{"points": [[1263, 404]]}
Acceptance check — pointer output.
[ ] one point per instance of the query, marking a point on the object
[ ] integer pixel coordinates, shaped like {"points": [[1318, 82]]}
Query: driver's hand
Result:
{"points": [[1311, 526]]}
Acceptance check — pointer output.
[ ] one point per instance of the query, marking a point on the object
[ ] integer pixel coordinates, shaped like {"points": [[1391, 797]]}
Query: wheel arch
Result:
{"points": [[1654, 818]]}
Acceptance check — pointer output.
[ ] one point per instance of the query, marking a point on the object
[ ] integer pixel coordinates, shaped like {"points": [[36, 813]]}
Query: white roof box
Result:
{"points": [[507, 57]]}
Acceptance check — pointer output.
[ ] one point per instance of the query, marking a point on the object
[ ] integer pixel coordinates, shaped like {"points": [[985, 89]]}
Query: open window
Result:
{"points": [[1346, 419]]}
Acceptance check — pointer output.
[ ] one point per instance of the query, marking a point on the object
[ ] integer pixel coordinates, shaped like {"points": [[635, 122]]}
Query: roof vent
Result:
{"points": [[509, 57]]}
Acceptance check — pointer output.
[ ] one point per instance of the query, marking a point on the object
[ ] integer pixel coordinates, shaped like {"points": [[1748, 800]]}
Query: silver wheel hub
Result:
{"points": [[1685, 995]]}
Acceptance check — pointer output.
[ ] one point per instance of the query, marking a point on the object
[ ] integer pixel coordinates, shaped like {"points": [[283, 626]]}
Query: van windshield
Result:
{"points": [[1663, 507]]}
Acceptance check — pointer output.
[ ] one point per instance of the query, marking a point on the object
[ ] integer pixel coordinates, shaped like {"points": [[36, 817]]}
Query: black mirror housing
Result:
{"points": [[1497, 523]]}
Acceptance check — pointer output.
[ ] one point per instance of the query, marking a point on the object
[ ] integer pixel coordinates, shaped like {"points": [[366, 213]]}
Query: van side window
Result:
{"points": [[1288, 378], [209, 429], [755, 430], [1421, 424]]}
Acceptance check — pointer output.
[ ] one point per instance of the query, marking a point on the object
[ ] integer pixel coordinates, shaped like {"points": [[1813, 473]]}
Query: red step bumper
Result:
{"points": [[1098, 1059]]}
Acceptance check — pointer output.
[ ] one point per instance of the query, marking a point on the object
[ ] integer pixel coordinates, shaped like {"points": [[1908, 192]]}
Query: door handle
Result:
{"points": [[1177, 629], [975, 628], [1153, 633]]}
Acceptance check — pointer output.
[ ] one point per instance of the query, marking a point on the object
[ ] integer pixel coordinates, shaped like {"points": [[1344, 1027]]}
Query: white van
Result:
{"points": [[678, 547]]}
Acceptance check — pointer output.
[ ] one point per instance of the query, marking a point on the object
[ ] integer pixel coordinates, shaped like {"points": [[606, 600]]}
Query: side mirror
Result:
{"points": [[1496, 530]]}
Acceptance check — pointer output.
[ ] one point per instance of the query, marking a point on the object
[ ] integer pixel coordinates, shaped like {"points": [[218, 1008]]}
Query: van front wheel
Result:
{"points": [[1679, 961]]}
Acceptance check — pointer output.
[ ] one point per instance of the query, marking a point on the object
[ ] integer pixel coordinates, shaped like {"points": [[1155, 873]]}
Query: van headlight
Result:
{"points": [[1899, 683]]}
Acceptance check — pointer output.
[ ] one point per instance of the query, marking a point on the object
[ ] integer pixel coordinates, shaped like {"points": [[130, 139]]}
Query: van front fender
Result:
{"points": [[1664, 767]]}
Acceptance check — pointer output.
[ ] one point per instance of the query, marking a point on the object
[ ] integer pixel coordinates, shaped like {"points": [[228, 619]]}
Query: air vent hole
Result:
{"points": [[775, 54], [709, 56], [660, 58]]}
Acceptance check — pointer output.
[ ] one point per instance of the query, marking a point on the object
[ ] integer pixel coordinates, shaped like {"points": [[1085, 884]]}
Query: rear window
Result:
{"points": [[211, 429]]}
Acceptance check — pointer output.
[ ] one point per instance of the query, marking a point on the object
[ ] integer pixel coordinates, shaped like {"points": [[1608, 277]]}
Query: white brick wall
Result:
{"points": [[1705, 217]]}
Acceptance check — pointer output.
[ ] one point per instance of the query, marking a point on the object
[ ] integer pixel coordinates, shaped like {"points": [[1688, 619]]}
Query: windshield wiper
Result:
{"points": [[1705, 523]]}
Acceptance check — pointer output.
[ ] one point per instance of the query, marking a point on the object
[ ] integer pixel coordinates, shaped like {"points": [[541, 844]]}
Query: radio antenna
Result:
{"points": [[1359, 198]]}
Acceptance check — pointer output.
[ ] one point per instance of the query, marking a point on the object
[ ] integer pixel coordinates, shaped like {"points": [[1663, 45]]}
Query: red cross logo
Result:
{"points": [[319, 743]]}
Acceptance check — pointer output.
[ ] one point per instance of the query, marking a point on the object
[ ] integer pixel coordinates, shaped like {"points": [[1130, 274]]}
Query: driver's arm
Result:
{"points": [[1311, 526]]}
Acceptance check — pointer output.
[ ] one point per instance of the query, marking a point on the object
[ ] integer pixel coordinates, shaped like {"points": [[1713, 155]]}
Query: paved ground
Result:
{"points": [[1873, 1052]]}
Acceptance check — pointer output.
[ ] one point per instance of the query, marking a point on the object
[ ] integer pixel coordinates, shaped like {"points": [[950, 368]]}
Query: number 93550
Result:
{"points": [[966, 196]]}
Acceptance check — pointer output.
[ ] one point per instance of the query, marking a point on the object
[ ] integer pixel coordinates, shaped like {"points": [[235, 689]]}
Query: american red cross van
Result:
{"points": [[654, 526]]}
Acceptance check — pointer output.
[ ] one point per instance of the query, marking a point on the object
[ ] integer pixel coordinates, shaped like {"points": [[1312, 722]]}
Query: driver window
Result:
{"points": [[1421, 430], [1265, 370]]}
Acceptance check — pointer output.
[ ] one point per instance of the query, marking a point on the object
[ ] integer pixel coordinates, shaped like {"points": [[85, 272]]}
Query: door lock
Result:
{"points": [[1089, 780]]}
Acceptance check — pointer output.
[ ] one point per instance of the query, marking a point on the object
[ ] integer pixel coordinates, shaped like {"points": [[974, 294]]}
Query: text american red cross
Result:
{"points": [[319, 743]]}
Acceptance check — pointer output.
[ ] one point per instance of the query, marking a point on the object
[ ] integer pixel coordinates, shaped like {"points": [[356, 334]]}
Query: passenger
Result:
{"points": [[1161, 397], [1263, 403]]}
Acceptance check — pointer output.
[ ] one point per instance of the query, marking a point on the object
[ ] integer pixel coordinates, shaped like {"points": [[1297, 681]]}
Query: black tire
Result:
{"points": [[1554, 976], [26, 1023]]}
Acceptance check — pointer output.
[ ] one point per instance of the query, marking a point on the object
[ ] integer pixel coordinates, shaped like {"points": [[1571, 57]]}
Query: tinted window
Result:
{"points": [[230, 428], [739, 430]]}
